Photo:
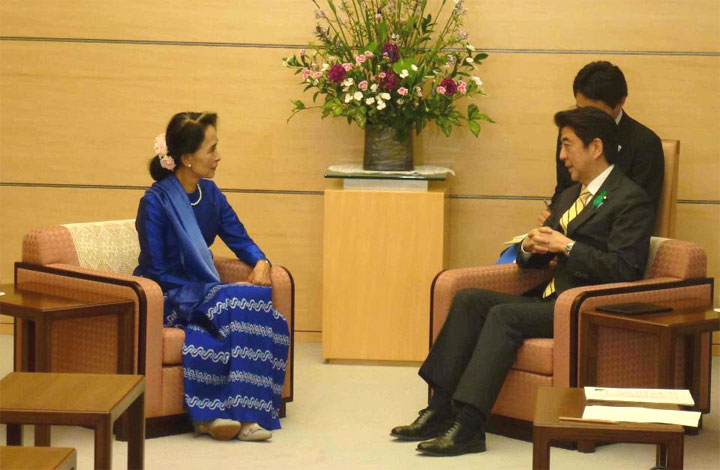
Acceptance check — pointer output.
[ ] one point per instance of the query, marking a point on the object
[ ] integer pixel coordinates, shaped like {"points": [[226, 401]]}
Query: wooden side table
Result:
{"points": [[30, 305], [90, 400], [556, 402], [668, 327], [38, 458]]}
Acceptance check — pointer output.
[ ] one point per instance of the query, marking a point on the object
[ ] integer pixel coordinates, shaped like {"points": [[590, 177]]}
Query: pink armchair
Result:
{"points": [[93, 259], [675, 273]]}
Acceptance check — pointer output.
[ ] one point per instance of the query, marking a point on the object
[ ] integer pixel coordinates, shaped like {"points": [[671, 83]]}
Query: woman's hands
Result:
{"points": [[260, 275]]}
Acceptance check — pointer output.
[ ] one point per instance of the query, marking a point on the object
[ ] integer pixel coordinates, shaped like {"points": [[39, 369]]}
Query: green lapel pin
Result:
{"points": [[600, 199]]}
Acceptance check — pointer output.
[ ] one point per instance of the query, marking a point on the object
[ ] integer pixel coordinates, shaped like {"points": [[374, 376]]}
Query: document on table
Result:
{"points": [[515, 239], [633, 414], [640, 395]]}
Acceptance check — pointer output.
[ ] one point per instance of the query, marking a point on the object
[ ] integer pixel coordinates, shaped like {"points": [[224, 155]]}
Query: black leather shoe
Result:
{"points": [[429, 424], [456, 441]]}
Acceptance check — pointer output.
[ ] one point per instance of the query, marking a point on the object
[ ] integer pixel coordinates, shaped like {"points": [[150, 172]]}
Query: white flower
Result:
{"points": [[414, 67], [418, 91], [469, 60], [370, 100], [348, 98], [385, 96], [404, 73], [381, 105], [315, 82], [374, 87], [348, 82], [358, 96], [325, 67], [400, 101], [470, 47], [476, 81]]}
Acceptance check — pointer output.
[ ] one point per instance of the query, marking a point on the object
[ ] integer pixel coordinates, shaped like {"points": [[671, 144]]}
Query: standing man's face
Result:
{"points": [[582, 101]]}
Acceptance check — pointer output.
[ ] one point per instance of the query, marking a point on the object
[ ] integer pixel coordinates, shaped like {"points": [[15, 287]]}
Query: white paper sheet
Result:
{"points": [[632, 414], [515, 239], [640, 395]]}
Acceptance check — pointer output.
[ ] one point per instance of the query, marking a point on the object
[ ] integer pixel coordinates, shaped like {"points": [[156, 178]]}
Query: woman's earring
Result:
{"points": [[189, 165]]}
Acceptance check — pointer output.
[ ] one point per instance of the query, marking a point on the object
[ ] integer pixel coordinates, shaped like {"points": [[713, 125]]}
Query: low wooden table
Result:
{"points": [[29, 305], [91, 400], [668, 327], [554, 402], [38, 458]]}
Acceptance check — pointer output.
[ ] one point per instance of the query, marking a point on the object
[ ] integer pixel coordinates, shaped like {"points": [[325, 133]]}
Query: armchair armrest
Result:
{"points": [[506, 278], [667, 290], [145, 293]]}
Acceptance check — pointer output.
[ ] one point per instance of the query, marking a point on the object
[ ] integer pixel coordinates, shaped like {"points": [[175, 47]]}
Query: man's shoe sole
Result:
{"points": [[415, 439], [472, 449]]}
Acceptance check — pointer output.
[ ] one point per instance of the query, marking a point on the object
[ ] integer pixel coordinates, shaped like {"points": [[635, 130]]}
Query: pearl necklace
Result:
{"points": [[199, 198]]}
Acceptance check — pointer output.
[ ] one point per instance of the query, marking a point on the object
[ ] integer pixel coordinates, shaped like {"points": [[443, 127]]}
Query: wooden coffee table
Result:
{"points": [[91, 400], [556, 402], [668, 327], [38, 458]]}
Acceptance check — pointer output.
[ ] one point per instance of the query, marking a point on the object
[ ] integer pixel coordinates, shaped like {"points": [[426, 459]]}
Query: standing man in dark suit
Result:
{"points": [[598, 231], [603, 86]]}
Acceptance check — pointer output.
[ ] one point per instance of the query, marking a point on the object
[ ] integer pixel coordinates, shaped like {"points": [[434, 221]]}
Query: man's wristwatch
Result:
{"points": [[569, 247]]}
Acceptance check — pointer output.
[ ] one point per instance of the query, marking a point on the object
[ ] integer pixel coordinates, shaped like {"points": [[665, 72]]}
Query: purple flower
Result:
{"points": [[392, 51], [337, 73], [449, 85], [389, 81]]}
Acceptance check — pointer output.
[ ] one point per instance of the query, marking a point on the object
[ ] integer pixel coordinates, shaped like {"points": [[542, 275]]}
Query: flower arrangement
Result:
{"points": [[392, 64]]}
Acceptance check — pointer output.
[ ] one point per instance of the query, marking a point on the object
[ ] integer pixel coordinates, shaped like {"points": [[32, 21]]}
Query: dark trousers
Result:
{"points": [[477, 344]]}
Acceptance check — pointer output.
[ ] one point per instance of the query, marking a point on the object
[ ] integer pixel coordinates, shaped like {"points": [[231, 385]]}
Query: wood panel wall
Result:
{"points": [[86, 85]]}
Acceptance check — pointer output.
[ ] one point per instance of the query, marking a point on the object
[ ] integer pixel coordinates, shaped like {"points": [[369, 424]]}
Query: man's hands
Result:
{"points": [[260, 275], [544, 240]]}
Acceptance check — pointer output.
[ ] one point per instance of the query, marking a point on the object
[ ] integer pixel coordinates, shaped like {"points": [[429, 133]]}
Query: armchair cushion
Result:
{"points": [[173, 340]]}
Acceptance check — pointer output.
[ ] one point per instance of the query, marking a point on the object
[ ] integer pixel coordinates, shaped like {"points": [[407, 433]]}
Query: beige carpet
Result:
{"points": [[340, 419]]}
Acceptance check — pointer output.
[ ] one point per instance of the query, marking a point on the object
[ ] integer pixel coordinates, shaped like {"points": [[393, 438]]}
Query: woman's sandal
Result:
{"points": [[253, 432], [220, 429]]}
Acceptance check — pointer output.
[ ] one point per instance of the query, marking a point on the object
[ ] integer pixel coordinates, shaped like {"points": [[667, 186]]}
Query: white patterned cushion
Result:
{"points": [[110, 246]]}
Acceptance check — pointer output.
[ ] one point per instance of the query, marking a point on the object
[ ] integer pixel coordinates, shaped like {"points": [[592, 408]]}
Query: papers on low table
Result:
{"points": [[633, 414], [640, 395]]}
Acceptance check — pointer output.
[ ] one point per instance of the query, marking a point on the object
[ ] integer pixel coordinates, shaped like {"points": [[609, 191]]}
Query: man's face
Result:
{"points": [[582, 101], [577, 158]]}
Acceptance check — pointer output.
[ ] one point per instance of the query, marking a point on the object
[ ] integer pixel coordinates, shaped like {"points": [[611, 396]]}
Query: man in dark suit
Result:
{"points": [[598, 231], [603, 86]]}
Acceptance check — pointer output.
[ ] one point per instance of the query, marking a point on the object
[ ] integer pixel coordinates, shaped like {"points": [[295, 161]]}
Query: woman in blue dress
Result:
{"points": [[236, 343]]}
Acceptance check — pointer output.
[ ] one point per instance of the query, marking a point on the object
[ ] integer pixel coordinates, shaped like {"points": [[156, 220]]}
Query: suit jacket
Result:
{"points": [[641, 158], [612, 235]]}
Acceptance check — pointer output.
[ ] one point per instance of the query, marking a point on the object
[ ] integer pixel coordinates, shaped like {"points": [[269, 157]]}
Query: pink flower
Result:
{"points": [[336, 73], [402, 91], [160, 146], [317, 75], [462, 87], [306, 73], [347, 66], [302, 52], [368, 54], [167, 162], [363, 85], [360, 59], [381, 75], [440, 90]]}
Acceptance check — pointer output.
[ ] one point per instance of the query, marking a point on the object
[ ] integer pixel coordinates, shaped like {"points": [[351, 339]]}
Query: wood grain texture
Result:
{"points": [[381, 251], [529, 24], [92, 121]]}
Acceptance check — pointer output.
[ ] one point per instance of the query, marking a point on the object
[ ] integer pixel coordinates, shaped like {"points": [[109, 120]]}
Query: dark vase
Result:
{"points": [[383, 152]]}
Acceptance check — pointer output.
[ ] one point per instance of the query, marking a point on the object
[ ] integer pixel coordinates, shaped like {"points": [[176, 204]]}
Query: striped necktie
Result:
{"points": [[565, 220]]}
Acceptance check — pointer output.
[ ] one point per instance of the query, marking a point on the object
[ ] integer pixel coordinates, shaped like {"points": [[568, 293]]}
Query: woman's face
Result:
{"points": [[205, 160]]}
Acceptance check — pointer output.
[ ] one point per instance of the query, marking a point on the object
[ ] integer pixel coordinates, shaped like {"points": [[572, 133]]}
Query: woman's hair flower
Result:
{"points": [[449, 85], [160, 147], [402, 91], [336, 73]]}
